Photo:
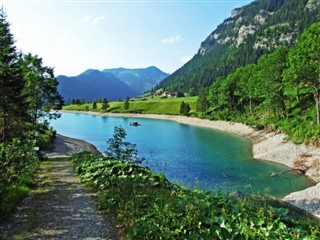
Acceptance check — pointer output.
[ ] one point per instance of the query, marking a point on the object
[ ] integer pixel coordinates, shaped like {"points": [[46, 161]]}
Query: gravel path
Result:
{"points": [[60, 207]]}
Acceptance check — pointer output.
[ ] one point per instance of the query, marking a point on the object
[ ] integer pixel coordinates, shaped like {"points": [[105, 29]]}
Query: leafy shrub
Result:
{"points": [[46, 137], [152, 208], [18, 163], [119, 149]]}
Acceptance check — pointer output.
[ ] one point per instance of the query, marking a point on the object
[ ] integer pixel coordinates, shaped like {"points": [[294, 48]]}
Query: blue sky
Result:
{"points": [[73, 36]]}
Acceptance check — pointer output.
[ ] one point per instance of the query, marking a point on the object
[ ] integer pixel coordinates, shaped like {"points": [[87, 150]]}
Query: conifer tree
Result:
{"points": [[12, 101], [304, 64], [105, 105], [126, 103], [94, 105]]}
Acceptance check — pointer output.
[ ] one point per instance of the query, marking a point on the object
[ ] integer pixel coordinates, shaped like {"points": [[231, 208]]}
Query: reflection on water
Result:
{"points": [[188, 155]]}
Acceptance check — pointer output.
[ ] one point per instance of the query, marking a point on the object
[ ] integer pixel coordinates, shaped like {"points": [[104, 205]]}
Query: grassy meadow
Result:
{"points": [[156, 105]]}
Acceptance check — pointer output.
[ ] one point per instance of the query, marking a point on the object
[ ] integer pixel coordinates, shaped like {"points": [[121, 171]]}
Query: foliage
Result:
{"points": [[304, 65], [202, 102], [184, 108], [105, 105], [18, 163], [149, 207], [118, 149], [45, 136], [12, 100], [40, 89], [94, 105], [126, 103], [278, 92], [28, 91]]}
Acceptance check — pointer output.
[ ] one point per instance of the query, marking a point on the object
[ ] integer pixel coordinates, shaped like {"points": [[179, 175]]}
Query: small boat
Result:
{"points": [[135, 124]]}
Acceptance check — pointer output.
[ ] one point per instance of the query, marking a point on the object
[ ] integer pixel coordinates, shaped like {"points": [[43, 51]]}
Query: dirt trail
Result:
{"points": [[59, 208]]}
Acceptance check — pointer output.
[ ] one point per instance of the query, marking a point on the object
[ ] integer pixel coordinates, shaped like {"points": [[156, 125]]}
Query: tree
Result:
{"points": [[13, 111], [94, 105], [41, 91], [247, 86], [272, 86], [118, 149], [126, 103], [184, 108], [203, 102], [304, 63], [180, 94], [105, 105]]}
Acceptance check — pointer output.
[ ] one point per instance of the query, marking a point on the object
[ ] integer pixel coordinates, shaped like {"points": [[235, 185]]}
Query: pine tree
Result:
{"points": [[203, 102], [184, 108], [12, 101], [94, 105], [304, 65], [105, 105], [126, 103]]}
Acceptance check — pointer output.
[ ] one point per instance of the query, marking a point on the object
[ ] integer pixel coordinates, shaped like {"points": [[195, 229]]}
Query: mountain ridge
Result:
{"points": [[93, 84], [140, 79], [251, 31]]}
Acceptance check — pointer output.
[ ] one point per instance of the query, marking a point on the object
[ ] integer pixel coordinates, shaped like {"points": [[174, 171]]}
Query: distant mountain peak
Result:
{"points": [[89, 71], [140, 79]]}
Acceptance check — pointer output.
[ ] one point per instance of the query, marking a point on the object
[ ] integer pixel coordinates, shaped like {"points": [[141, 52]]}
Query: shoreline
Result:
{"points": [[266, 145]]}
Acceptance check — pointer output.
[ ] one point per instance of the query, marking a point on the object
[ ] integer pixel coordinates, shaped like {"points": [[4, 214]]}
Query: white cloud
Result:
{"points": [[185, 59], [172, 39], [93, 20], [98, 19]]}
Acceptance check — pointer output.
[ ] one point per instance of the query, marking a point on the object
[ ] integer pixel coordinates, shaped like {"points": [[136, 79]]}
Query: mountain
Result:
{"points": [[252, 31], [92, 85], [141, 80]]}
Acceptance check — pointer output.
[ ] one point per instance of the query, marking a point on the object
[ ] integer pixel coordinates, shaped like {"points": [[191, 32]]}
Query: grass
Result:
{"points": [[14, 194], [169, 106]]}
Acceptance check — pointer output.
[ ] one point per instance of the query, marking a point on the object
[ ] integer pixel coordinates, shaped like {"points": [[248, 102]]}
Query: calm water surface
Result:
{"points": [[189, 155]]}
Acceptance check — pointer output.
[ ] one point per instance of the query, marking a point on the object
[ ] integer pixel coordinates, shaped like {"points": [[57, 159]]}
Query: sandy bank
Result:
{"points": [[64, 146], [269, 146]]}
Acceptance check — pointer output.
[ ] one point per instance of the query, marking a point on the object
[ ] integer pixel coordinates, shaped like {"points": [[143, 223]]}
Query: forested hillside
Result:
{"points": [[93, 85], [251, 31], [281, 91], [28, 93]]}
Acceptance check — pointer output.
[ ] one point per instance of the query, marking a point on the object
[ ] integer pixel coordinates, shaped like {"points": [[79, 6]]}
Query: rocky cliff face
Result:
{"points": [[312, 5], [251, 31], [247, 21]]}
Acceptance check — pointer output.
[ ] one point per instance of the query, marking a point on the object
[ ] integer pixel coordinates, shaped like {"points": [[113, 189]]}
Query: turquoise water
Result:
{"points": [[189, 155]]}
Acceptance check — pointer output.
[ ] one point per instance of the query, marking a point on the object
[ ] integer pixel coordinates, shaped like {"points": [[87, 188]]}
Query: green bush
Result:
{"points": [[18, 163], [46, 137], [150, 207]]}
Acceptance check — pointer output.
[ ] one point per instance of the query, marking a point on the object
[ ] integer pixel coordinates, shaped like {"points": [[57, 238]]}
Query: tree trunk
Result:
{"points": [[317, 101]]}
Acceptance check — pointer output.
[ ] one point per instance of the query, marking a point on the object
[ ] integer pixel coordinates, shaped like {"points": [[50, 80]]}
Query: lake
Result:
{"points": [[188, 155]]}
